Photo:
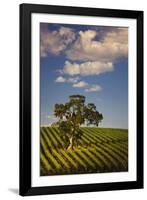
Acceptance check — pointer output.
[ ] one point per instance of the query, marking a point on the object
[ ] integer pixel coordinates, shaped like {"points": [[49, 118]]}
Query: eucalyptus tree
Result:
{"points": [[72, 115]]}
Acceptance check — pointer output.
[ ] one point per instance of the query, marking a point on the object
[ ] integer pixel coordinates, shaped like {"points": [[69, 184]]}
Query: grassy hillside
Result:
{"points": [[99, 150]]}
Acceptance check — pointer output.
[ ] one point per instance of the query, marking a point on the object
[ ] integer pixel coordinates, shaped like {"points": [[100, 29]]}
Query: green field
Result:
{"points": [[99, 150]]}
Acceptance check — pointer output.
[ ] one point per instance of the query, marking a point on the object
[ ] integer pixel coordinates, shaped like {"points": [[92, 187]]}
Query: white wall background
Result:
{"points": [[9, 98]]}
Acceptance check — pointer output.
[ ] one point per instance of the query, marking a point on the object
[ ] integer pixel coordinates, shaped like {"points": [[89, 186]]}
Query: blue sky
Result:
{"points": [[87, 60]]}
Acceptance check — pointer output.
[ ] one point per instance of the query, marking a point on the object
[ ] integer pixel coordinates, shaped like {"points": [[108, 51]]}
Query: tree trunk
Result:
{"points": [[97, 124], [70, 143]]}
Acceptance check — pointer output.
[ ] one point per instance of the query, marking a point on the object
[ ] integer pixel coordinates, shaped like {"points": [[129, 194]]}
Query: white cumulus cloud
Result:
{"points": [[88, 53], [73, 79], [55, 41], [88, 87], [81, 84], [112, 45], [60, 79], [93, 88], [87, 68], [77, 83]]}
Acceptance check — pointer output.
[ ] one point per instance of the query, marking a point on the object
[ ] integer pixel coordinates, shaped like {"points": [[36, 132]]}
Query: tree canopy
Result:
{"points": [[72, 115]]}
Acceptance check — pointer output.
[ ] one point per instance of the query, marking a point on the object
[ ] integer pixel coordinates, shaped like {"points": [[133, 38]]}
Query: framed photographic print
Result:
{"points": [[81, 99]]}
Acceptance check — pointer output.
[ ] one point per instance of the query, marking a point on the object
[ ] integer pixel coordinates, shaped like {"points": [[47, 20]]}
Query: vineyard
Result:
{"points": [[99, 150]]}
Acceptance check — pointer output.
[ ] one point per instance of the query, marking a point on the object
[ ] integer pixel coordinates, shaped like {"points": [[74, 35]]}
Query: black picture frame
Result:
{"points": [[25, 187]]}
